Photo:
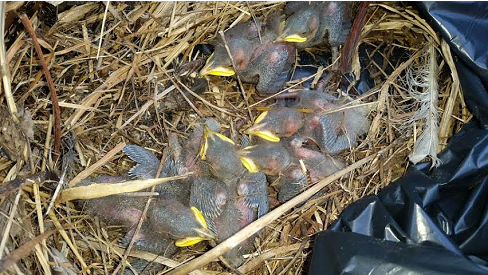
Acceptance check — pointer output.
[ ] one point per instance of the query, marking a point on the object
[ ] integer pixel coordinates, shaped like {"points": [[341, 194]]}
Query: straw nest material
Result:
{"points": [[118, 76]]}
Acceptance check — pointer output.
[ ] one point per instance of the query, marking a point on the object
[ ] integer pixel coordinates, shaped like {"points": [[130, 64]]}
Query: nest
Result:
{"points": [[119, 75]]}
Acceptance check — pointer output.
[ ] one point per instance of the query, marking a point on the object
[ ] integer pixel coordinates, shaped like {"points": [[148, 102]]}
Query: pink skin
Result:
{"points": [[304, 153], [130, 215]]}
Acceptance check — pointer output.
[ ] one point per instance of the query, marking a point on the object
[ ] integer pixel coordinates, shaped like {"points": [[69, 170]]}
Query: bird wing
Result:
{"points": [[147, 163], [209, 196], [254, 190]]}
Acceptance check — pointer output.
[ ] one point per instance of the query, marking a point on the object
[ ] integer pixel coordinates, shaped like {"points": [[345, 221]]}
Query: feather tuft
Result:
{"points": [[423, 88]]}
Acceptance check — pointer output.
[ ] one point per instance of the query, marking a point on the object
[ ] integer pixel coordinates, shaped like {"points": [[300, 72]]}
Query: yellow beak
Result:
{"points": [[209, 134], [267, 135], [249, 164], [209, 69], [294, 38], [220, 71], [205, 232]]}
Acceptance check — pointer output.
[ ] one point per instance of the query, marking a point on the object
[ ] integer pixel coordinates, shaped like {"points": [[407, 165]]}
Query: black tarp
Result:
{"points": [[429, 221]]}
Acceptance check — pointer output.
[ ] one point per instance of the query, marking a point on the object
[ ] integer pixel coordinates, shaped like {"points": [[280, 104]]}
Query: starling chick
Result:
{"points": [[220, 153], [257, 58], [229, 197], [147, 165], [276, 123], [166, 218], [242, 40], [228, 207], [269, 158], [270, 66], [293, 181], [309, 23], [252, 191], [335, 131]]}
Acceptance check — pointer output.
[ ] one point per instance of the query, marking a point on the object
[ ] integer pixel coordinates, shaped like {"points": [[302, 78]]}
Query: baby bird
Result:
{"points": [[167, 218], [257, 58], [220, 154], [335, 131], [293, 180], [270, 66], [309, 23], [228, 207], [278, 122], [242, 40], [269, 158], [230, 197]]}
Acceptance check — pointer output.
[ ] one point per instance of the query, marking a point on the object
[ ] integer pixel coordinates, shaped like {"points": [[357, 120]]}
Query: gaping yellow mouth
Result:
{"points": [[249, 164], [209, 134], [194, 240], [267, 135], [188, 241], [209, 69], [220, 71], [295, 38]]}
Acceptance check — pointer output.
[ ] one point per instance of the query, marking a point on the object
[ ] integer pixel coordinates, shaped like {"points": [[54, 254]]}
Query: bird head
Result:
{"points": [[275, 123], [211, 141], [219, 64], [270, 158], [301, 26], [240, 41], [220, 154], [260, 128], [199, 229]]}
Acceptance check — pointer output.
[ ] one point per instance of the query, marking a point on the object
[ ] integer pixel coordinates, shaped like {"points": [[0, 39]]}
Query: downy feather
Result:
{"points": [[423, 88]]}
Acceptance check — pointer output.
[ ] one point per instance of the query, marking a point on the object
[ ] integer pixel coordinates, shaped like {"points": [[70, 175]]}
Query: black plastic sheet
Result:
{"points": [[429, 221]]}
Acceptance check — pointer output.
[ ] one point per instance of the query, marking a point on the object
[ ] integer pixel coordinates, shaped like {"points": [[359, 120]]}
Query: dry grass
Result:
{"points": [[113, 69]]}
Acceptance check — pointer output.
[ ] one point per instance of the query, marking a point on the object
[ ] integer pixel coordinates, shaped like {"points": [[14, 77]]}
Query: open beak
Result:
{"points": [[295, 38], [292, 38], [257, 129], [204, 233], [211, 69], [209, 134], [247, 162], [267, 135], [207, 234]]}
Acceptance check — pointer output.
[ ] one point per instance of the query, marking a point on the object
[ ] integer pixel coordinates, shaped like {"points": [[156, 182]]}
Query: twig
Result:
{"points": [[207, 102], [4, 70], [101, 30], [257, 225], [57, 112], [88, 171], [68, 241], [292, 262], [353, 39], [6, 232], [258, 261], [98, 190], [144, 255], [147, 105]]}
